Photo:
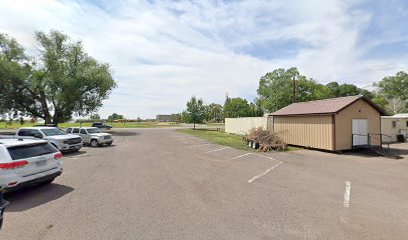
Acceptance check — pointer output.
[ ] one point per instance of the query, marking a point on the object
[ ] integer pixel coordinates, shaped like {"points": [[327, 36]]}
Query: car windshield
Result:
{"points": [[53, 132], [93, 130]]}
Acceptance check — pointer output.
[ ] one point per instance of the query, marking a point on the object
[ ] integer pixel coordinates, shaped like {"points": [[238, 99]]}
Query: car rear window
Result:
{"points": [[32, 150]]}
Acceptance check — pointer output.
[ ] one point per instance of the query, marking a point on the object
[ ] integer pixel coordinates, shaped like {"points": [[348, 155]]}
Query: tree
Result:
{"points": [[236, 107], [195, 109], [213, 112], [396, 88], [256, 110], [175, 117], [114, 117], [275, 89], [63, 81], [94, 117]]}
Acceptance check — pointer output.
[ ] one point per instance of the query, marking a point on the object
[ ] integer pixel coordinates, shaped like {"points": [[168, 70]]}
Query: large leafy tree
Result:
{"points": [[63, 81], [195, 110], [396, 88], [213, 112], [236, 107], [275, 89]]}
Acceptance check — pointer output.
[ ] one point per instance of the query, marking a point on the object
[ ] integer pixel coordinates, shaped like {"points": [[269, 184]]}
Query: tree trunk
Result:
{"points": [[194, 125], [44, 106]]}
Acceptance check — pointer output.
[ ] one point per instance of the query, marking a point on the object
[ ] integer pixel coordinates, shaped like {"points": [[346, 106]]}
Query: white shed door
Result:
{"points": [[360, 128]]}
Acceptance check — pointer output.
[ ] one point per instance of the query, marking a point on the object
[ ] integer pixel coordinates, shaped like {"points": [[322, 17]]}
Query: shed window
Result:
{"points": [[394, 124]]}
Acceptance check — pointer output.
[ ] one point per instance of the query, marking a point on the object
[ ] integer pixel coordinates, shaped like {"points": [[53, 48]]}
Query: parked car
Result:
{"points": [[61, 140], [26, 162], [101, 125], [3, 204], [92, 136]]}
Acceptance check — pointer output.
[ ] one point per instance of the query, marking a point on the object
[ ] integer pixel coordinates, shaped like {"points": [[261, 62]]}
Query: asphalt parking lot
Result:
{"points": [[162, 184]]}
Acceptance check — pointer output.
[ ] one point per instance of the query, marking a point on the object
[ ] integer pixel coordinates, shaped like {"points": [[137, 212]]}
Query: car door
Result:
{"points": [[84, 135]]}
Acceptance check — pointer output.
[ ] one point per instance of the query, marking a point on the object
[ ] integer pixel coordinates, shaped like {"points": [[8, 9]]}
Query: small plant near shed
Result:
{"points": [[265, 140]]}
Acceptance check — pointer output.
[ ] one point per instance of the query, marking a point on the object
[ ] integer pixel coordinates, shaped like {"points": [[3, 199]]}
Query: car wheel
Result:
{"points": [[94, 143]]}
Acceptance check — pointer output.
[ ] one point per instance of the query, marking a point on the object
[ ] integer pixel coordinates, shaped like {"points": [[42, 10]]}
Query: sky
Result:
{"points": [[164, 52]]}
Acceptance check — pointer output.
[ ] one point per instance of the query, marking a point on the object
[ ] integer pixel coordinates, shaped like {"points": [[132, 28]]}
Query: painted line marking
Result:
{"points": [[216, 150], [346, 202], [266, 157], [265, 172], [243, 155], [201, 145]]}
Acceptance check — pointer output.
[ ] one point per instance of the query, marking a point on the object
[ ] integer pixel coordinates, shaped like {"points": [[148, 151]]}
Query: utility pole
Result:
{"points": [[294, 90]]}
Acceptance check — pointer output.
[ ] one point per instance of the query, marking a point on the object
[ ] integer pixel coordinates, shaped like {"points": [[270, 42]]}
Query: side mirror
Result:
{"points": [[38, 135]]}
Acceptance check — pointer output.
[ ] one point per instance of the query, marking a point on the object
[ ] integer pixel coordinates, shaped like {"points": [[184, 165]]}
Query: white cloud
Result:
{"points": [[164, 53]]}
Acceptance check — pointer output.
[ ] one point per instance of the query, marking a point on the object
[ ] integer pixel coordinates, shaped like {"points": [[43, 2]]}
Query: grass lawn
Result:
{"points": [[213, 136], [224, 139]]}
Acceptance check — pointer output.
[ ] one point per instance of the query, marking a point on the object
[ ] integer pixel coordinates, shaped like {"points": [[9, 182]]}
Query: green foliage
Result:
{"points": [[176, 117], [236, 107], [115, 116], [213, 112], [62, 82], [396, 88], [94, 117], [275, 89], [195, 110]]}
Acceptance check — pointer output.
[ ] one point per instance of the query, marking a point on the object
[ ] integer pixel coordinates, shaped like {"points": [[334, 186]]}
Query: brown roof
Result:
{"points": [[325, 106]]}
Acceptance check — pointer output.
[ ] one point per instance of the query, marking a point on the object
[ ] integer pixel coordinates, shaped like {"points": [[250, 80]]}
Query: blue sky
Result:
{"points": [[163, 52]]}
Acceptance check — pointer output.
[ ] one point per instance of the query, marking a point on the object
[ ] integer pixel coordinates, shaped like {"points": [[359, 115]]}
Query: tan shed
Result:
{"points": [[331, 124]]}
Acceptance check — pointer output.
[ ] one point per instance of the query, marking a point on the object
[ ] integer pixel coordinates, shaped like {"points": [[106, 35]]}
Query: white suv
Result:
{"points": [[26, 162], [92, 136], [60, 139]]}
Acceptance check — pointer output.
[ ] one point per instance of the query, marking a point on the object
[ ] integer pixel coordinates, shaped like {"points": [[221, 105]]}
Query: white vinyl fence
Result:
{"points": [[243, 125]]}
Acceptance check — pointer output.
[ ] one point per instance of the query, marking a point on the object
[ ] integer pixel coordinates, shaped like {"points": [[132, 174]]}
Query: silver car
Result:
{"points": [[92, 136]]}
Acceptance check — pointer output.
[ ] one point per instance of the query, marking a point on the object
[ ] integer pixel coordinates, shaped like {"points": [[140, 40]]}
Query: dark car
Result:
{"points": [[3, 204], [101, 125]]}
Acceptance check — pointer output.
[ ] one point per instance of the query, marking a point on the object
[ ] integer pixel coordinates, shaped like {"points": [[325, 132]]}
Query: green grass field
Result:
{"points": [[224, 139]]}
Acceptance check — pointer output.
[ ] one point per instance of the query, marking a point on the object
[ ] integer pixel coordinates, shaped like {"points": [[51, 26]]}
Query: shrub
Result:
{"points": [[267, 139]]}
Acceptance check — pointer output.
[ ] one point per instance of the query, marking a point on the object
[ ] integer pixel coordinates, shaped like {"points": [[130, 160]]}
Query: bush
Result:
{"points": [[267, 139]]}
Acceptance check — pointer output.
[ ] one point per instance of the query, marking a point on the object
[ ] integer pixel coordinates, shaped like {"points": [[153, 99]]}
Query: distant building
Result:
{"points": [[394, 125], [164, 118]]}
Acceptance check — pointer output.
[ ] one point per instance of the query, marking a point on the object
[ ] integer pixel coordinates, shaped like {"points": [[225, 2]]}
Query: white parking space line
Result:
{"points": [[265, 172], [260, 155], [201, 145], [346, 202], [216, 150], [240, 156]]}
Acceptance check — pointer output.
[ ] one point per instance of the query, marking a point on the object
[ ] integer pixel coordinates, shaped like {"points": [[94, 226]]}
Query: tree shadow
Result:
{"points": [[28, 198]]}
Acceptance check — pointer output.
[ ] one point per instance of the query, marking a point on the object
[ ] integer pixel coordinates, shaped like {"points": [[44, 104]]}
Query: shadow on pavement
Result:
{"points": [[72, 154], [35, 196], [123, 133]]}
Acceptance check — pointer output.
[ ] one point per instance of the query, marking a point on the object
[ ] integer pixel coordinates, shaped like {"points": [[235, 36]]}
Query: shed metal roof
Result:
{"points": [[325, 106]]}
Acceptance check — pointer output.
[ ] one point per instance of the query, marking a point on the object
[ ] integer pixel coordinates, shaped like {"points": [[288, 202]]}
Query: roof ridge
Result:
{"points": [[327, 99]]}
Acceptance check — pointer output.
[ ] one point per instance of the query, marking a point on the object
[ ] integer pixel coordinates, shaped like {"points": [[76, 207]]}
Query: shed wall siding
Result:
{"points": [[344, 123], [308, 131]]}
